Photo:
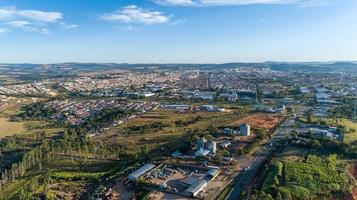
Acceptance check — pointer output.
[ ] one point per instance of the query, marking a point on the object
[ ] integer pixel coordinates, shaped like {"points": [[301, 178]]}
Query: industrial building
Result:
{"points": [[175, 107], [141, 171], [200, 184], [196, 188], [204, 148]]}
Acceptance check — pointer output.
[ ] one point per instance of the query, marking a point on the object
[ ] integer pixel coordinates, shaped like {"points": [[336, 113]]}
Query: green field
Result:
{"points": [[351, 136]]}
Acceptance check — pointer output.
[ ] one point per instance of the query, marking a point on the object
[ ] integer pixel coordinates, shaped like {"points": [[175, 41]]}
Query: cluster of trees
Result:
{"points": [[347, 110], [260, 136], [155, 126], [74, 144], [32, 159], [104, 118], [328, 146], [181, 123], [35, 111]]}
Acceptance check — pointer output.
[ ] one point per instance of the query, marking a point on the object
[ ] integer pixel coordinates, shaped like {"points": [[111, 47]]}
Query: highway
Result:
{"points": [[262, 154]]}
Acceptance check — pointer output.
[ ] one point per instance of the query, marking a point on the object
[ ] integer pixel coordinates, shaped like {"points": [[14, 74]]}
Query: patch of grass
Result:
{"points": [[170, 132], [8, 128]]}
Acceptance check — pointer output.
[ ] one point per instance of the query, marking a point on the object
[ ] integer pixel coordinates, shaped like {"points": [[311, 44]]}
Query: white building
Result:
{"points": [[245, 129], [212, 146]]}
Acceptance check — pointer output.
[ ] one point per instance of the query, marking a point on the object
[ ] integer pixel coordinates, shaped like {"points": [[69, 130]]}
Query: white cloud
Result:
{"points": [[44, 31], [182, 21], [18, 23], [176, 2], [240, 2], [11, 13], [136, 15], [3, 30], [69, 26], [35, 21]]}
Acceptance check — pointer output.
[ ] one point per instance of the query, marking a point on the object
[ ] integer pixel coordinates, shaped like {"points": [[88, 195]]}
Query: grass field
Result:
{"points": [[352, 136], [8, 128], [170, 132]]}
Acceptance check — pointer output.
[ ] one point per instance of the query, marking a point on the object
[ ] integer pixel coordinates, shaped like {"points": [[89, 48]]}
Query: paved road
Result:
{"points": [[247, 176]]}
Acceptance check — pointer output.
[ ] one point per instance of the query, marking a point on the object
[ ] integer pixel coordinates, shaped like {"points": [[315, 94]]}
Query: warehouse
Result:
{"points": [[196, 188], [141, 171]]}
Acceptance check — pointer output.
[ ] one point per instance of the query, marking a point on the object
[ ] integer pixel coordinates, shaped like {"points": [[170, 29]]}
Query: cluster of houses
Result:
{"points": [[184, 107], [76, 112], [35, 88]]}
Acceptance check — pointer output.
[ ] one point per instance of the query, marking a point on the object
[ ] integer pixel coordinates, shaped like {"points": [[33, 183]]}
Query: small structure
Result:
{"points": [[141, 171], [225, 144], [202, 152], [245, 129], [229, 97], [177, 153], [213, 173], [206, 108], [212, 146], [228, 131]]}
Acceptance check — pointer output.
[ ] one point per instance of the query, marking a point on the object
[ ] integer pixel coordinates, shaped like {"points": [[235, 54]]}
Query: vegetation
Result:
{"points": [[310, 178], [35, 112], [8, 128], [347, 110]]}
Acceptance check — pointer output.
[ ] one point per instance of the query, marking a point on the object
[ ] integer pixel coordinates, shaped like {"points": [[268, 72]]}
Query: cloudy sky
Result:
{"points": [[177, 31]]}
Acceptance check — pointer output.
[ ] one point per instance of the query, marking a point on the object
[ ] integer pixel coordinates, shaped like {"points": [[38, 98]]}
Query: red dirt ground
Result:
{"points": [[259, 120]]}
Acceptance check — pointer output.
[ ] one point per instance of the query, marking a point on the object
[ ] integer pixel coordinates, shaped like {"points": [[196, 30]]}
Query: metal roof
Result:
{"points": [[141, 171], [196, 187]]}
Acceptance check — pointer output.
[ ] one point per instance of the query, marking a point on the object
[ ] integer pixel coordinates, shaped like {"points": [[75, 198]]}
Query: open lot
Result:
{"points": [[8, 128], [157, 128], [263, 121]]}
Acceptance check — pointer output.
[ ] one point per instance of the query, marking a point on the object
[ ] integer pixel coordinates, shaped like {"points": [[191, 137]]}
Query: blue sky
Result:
{"points": [[177, 31]]}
